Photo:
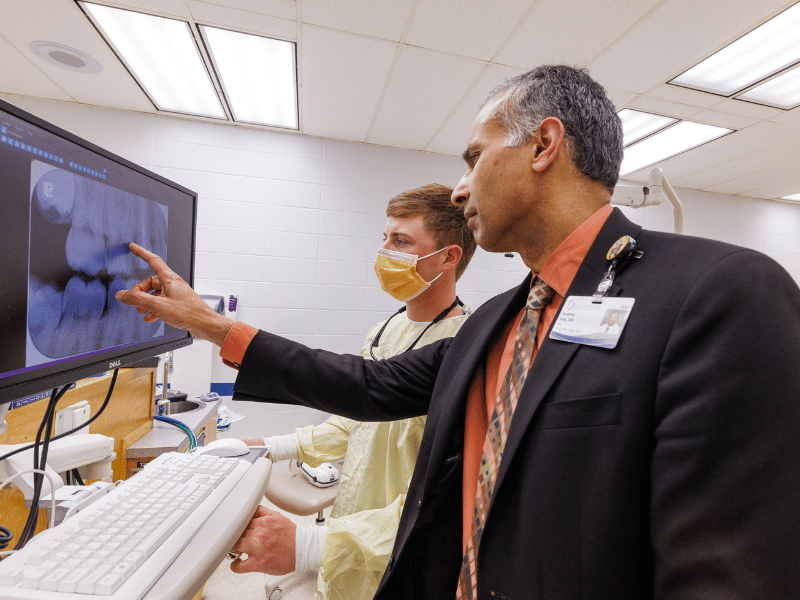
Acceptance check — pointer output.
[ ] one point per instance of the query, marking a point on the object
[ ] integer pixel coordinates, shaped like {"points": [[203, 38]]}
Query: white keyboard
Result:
{"points": [[158, 535]]}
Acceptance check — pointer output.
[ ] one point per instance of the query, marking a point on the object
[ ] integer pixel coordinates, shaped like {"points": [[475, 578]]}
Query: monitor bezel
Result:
{"points": [[17, 387]]}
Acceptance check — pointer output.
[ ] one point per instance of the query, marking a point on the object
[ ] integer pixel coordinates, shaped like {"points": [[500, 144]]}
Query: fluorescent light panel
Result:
{"points": [[767, 49], [795, 197], [637, 124], [674, 140], [162, 54], [257, 74], [782, 92]]}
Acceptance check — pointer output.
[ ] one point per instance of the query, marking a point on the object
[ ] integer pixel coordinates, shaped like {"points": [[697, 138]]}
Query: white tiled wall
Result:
{"points": [[291, 224]]}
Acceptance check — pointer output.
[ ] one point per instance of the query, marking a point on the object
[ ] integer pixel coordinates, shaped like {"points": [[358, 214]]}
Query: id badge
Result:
{"points": [[593, 324]]}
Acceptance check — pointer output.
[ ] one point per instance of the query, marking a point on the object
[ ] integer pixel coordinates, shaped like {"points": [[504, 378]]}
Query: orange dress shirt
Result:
{"points": [[558, 271]]}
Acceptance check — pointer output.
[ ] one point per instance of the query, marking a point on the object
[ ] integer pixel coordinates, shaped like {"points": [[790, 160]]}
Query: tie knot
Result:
{"points": [[541, 294]]}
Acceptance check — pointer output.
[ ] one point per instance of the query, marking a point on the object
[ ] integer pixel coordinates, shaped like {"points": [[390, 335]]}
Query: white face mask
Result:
{"points": [[397, 274]]}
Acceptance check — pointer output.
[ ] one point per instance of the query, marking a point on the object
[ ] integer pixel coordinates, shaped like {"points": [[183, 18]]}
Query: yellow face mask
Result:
{"points": [[397, 274]]}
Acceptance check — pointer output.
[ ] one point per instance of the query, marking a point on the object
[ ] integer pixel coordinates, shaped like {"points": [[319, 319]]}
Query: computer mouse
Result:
{"points": [[225, 447], [325, 475]]}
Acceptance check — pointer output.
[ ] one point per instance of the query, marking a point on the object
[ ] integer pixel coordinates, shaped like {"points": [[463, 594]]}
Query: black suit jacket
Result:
{"points": [[668, 467]]}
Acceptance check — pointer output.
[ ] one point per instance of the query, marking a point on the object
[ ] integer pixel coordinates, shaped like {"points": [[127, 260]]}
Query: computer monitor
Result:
{"points": [[68, 209]]}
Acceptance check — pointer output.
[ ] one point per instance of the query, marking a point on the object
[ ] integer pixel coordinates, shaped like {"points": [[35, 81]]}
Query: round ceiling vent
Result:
{"points": [[66, 57]]}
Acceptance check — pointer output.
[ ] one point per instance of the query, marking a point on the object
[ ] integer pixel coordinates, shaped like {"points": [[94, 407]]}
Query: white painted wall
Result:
{"points": [[291, 223]]}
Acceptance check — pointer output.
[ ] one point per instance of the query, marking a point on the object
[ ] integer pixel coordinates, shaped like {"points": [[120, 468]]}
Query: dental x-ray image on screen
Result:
{"points": [[69, 210], [79, 259]]}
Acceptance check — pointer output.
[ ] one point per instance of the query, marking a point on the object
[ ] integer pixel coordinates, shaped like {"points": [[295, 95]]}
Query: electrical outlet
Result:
{"points": [[72, 416]]}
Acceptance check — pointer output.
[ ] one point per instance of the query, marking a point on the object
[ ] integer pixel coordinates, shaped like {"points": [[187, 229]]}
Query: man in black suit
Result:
{"points": [[667, 466]]}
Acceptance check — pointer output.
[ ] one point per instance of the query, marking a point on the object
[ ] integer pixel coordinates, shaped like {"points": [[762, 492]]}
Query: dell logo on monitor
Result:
{"points": [[114, 364]]}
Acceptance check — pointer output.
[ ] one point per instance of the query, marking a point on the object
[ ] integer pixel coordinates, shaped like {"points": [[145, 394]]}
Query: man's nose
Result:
{"points": [[461, 194]]}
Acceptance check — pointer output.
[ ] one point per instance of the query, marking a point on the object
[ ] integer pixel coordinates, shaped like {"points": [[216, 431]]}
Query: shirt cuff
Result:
{"points": [[309, 543], [235, 344]]}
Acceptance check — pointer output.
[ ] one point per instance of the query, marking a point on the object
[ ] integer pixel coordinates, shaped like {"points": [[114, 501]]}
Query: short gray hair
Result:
{"points": [[593, 130]]}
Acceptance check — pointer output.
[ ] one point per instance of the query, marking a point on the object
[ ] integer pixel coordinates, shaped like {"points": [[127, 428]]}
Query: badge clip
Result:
{"points": [[621, 250]]}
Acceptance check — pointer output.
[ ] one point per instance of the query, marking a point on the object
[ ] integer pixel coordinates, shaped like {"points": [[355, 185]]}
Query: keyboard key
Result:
{"points": [[10, 577], [31, 576], [108, 584], [51, 581], [88, 584], [36, 557], [69, 584]]}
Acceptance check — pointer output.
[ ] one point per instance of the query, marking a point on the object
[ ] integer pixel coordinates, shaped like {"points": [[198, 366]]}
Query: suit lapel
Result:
{"points": [[446, 417], [554, 356]]}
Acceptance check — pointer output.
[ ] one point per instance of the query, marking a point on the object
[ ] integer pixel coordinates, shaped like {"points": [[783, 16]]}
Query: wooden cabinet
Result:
{"points": [[128, 416]]}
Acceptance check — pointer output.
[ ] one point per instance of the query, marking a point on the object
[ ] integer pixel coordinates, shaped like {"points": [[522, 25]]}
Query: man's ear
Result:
{"points": [[547, 143], [452, 256]]}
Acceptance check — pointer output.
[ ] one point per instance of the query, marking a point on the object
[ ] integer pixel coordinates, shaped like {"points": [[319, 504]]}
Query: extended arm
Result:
{"points": [[278, 370]]}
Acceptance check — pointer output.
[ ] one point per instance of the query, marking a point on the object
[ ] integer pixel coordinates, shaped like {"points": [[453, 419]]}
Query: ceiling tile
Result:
{"points": [[19, 76], [674, 37], [473, 29], [663, 107], [424, 88], [778, 190], [383, 20], [452, 137], [65, 23], [721, 119], [343, 76], [747, 109], [570, 32], [683, 95], [283, 9], [620, 98], [774, 175], [789, 117], [239, 20], [752, 162]]}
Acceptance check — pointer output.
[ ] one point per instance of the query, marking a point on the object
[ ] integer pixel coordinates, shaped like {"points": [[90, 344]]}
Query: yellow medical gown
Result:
{"points": [[378, 463]]}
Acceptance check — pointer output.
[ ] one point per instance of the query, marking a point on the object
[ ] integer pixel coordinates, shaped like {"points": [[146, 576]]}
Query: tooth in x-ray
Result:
{"points": [[86, 245], [157, 234], [80, 318], [55, 196], [150, 231], [44, 314], [122, 212], [119, 318], [130, 218]]}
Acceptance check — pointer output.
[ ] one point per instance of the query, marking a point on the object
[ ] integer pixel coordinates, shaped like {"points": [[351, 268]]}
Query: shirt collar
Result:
{"points": [[560, 268]]}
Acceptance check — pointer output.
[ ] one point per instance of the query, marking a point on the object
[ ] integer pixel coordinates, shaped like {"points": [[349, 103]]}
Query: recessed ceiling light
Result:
{"points": [[782, 92], [795, 197], [767, 49], [258, 75], [66, 57], [162, 54], [637, 124], [674, 140]]}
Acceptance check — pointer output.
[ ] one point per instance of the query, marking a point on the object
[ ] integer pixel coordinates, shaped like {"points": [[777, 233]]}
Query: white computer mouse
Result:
{"points": [[224, 447], [325, 475]]}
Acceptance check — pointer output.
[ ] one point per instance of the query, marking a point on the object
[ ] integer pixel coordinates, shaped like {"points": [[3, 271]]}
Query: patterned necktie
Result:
{"points": [[524, 348]]}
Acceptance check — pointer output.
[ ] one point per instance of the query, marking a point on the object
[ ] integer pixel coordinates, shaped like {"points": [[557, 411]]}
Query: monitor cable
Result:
{"points": [[46, 426]]}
